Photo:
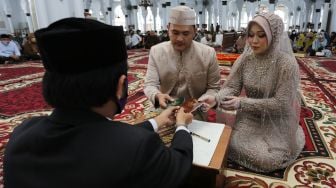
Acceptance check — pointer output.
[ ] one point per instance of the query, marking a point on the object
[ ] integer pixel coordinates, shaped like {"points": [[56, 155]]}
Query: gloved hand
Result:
{"points": [[230, 103], [208, 102]]}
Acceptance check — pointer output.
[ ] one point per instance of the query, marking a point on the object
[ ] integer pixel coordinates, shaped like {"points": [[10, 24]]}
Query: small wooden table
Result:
{"points": [[209, 176]]}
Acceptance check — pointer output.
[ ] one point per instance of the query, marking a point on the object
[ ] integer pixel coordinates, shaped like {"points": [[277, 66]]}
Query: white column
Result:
{"points": [[209, 17], [290, 18], [41, 13], [216, 13], [316, 18], [135, 18], [203, 16], [78, 8], [154, 12], [307, 16], [220, 14], [9, 22], [168, 10], [302, 16], [162, 12], [333, 17], [96, 8], [225, 18], [239, 4], [271, 7], [295, 13], [129, 19], [104, 5], [298, 15], [25, 7], [29, 21], [8, 13], [144, 16], [325, 16], [253, 9]]}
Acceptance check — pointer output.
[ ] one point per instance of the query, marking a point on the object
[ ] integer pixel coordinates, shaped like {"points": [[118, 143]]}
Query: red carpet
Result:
{"points": [[329, 65], [20, 98], [322, 71]]}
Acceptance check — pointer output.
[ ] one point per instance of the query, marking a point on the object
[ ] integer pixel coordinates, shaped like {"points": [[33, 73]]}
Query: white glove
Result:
{"points": [[208, 102]]}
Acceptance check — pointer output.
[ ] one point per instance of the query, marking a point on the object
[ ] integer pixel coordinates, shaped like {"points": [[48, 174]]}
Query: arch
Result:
{"points": [[283, 11], [119, 17]]}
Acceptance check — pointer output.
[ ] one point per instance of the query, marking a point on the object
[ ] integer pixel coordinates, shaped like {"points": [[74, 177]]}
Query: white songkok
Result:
{"points": [[182, 15]]}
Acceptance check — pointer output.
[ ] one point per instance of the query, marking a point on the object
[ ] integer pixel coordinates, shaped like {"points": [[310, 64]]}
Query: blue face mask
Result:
{"points": [[123, 100]]}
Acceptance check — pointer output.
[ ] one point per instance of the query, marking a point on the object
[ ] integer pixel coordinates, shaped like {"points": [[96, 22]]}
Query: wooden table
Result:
{"points": [[209, 176]]}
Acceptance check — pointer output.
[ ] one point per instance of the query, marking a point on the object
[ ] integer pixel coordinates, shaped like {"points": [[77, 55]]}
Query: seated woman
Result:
{"points": [[240, 43], [319, 44], [30, 50], [308, 42], [266, 135]]}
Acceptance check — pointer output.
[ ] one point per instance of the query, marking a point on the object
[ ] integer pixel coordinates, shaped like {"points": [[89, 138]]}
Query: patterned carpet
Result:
{"points": [[20, 98], [322, 71]]}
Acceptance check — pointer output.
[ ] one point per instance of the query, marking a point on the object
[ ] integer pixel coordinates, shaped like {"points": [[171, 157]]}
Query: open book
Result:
{"points": [[205, 136]]}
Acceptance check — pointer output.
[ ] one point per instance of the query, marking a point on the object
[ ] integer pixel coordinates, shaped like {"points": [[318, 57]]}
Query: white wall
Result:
{"points": [[48, 11], [333, 17], [18, 15]]}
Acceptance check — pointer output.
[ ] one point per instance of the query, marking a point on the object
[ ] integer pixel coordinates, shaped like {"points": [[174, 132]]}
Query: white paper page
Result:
{"points": [[203, 150]]}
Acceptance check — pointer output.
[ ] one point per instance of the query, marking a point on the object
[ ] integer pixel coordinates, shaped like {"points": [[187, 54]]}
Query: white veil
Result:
{"points": [[272, 106]]}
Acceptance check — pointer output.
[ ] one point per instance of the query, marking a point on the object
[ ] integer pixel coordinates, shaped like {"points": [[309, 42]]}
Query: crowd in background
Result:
{"points": [[14, 49], [137, 39], [17, 48], [310, 43], [313, 43]]}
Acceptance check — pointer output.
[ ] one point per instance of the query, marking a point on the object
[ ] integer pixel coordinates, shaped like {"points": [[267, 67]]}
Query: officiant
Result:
{"points": [[79, 144]]}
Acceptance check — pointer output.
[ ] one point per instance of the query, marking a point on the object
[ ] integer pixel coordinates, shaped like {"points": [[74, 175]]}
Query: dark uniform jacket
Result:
{"points": [[83, 149]]}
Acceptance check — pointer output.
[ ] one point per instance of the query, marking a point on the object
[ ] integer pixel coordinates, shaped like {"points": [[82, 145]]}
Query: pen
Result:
{"points": [[199, 136]]}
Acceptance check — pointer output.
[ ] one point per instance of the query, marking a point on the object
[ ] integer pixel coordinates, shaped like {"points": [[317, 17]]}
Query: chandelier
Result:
{"points": [[145, 3]]}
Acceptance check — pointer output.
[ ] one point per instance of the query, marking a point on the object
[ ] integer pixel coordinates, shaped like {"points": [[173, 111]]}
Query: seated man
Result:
{"points": [[9, 51], [30, 51], [207, 39], [151, 40], [218, 40], [181, 67], [79, 144], [136, 40]]}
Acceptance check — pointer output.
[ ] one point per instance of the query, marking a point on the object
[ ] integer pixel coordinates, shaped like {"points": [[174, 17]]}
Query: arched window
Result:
{"points": [[149, 21]]}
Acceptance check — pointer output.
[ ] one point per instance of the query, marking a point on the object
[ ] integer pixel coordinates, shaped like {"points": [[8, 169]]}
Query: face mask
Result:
{"points": [[123, 100], [5, 43]]}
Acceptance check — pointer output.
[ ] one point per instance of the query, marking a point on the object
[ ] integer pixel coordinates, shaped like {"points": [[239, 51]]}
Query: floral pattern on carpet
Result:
{"points": [[20, 98], [322, 71], [330, 87], [319, 68]]}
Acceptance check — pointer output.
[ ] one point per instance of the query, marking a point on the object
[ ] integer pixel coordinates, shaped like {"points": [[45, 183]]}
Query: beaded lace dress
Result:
{"points": [[266, 135]]}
